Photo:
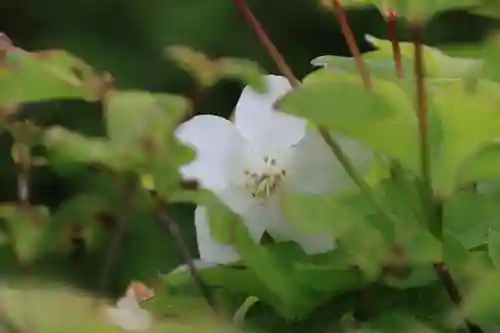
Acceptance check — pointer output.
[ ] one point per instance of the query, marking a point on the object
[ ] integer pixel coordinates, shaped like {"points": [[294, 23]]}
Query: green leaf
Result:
{"points": [[208, 71], [295, 300], [494, 247], [480, 304], [334, 275], [141, 121], [68, 147], [232, 279], [437, 63], [423, 9], [42, 76], [463, 135], [346, 220], [382, 119], [469, 216], [483, 166], [141, 128], [27, 229]]}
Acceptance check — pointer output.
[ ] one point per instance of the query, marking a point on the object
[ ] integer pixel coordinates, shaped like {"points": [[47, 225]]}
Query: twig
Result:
{"points": [[392, 23], [173, 229], [351, 43], [112, 252], [454, 293], [267, 43], [434, 223], [432, 205]]}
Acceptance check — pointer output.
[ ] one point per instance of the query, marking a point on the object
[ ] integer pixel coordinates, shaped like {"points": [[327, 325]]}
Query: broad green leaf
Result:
{"points": [[382, 119], [469, 216], [494, 247], [295, 300], [480, 304], [209, 71], [335, 275], [437, 63], [47, 75], [233, 279], [463, 135], [482, 167], [379, 63], [26, 228], [347, 221]]}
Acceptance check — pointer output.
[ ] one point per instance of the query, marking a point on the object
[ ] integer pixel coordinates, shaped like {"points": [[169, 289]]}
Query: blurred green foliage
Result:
{"points": [[129, 39]]}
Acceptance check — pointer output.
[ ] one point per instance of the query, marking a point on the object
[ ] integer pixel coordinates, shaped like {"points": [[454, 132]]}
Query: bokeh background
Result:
{"points": [[127, 38]]}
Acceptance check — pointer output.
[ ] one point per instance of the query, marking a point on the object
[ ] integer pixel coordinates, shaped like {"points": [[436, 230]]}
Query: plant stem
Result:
{"points": [[427, 196], [392, 23], [267, 43], [433, 206], [351, 43], [173, 229], [112, 253], [454, 293]]}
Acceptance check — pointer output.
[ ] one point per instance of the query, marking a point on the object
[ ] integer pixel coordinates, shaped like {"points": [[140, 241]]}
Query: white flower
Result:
{"points": [[250, 163], [128, 313]]}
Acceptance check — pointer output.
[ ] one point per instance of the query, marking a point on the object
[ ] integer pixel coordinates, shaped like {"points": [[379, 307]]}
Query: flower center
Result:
{"points": [[264, 183]]}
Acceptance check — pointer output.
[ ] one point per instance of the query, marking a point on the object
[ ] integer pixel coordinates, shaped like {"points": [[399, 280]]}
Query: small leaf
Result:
{"points": [[26, 228], [31, 77], [139, 120], [70, 147], [208, 72]]}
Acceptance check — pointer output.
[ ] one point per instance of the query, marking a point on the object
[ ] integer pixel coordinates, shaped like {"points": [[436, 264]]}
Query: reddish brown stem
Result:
{"points": [[419, 68], [351, 43], [392, 23], [267, 43]]}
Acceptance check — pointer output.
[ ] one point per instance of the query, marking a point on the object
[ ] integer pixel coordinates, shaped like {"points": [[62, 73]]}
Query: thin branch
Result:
{"points": [[434, 224], [121, 219], [351, 43], [392, 23], [267, 43], [432, 205], [454, 293], [173, 229]]}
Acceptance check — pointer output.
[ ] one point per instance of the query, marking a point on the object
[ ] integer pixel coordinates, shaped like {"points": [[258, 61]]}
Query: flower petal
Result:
{"points": [[129, 302], [313, 168], [264, 128], [221, 151], [250, 208], [211, 250], [137, 320]]}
